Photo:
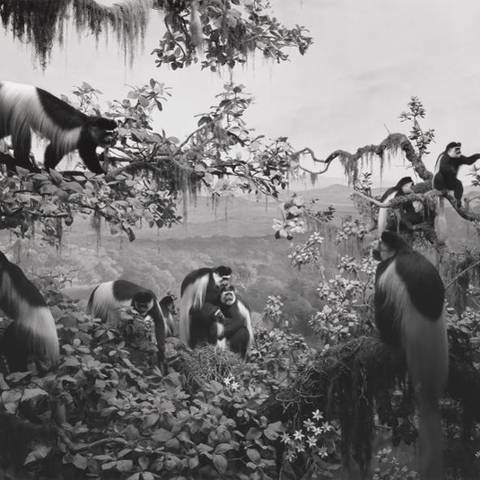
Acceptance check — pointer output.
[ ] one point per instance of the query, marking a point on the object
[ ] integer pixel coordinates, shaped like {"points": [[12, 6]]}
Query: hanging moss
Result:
{"points": [[43, 22]]}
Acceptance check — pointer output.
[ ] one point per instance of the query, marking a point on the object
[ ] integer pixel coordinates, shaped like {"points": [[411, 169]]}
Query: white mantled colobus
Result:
{"points": [[237, 331], [24, 108], [409, 214], [108, 297], [445, 179], [32, 335], [409, 313], [199, 287]]}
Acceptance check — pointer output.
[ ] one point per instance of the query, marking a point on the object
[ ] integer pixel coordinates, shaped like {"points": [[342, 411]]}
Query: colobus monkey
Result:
{"points": [[199, 287], [24, 108], [32, 334], [446, 169], [237, 323], [410, 213], [108, 297], [167, 306], [445, 178], [207, 325], [409, 313]]}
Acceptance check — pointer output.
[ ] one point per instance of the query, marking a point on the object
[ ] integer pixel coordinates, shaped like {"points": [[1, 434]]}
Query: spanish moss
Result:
{"points": [[43, 22]]}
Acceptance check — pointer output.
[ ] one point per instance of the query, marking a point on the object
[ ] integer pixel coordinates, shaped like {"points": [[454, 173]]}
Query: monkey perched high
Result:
{"points": [[24, 108], [409, 313], [445, 178], [411, 213]]}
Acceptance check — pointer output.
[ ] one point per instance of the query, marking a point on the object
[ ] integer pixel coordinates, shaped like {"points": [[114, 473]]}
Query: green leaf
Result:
{"points": [[220, 462], [162, 435], [135, 476], [193, 462], [80, 461], [23, 172], [223, 447], [254, 455], [253, 433], [124, 465], [151, 420], [273, 430], [30, 393], [56, 176], [38, 453]]}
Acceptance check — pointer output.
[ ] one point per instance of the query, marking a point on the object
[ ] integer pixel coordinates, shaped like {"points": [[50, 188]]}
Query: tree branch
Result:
{"points": [[393, 142]]}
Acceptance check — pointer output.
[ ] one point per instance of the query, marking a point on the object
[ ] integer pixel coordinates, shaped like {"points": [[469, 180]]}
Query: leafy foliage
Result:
{"points": [[421, 138], [226, 31], [149, 171], [346, 302], [120, 418]]}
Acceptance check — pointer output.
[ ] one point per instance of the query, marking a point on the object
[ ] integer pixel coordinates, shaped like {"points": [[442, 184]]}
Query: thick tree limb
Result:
{"points": [[394, 142], [428, 196]]}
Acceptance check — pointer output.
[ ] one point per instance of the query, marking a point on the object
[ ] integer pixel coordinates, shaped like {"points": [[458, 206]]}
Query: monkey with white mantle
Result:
{"points": [[409, 314], [227, 322], [25, 108]]}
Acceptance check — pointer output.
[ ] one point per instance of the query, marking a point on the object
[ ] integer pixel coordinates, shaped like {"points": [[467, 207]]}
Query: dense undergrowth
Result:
{"points": [[108, 413]]}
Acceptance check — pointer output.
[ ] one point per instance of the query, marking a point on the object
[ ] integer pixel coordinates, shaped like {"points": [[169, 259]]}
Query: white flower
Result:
{"points": [[298, 435], [326, 427], [308, 424], [317, 415], [323, 452], [311, 441], [234, 386]]}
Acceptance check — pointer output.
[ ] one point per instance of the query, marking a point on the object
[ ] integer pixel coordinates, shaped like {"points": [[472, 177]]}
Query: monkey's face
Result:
{"points": [[103, 131], [221, 281], [171, 309], [143, 307], [228, 297], [382, 252], [408, 188], [454, 152]]}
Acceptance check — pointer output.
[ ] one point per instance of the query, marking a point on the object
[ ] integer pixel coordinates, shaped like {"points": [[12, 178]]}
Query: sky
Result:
{"points": [[368, 58]]}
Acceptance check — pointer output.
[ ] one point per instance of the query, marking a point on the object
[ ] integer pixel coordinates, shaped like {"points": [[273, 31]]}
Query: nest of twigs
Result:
{"points": [[205, 364]]}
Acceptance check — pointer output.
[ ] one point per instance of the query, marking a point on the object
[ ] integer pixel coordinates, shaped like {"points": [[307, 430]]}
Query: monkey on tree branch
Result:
{"points": [[421, 192]]}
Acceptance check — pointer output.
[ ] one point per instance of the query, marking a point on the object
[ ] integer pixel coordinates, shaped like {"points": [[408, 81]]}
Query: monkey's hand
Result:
{"points": [[220, 331]]}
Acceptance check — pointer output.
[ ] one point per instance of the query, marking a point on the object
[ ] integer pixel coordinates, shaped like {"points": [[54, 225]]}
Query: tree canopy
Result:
{"points": [[225, 32]]}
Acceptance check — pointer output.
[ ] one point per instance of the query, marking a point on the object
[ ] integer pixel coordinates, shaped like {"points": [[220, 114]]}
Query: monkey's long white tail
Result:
{"points": [[40, 330], [193, 296], [441, 228], [426, 348], [245, 312]]}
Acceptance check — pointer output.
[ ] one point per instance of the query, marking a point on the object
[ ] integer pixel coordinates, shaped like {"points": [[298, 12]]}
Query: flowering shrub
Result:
{"points": [[351, 228], [273, 310], [307, 252], [346, 302], [317, 437]]}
